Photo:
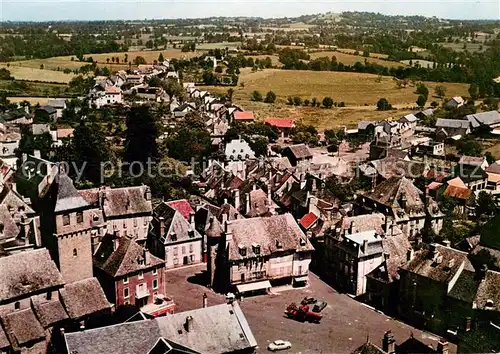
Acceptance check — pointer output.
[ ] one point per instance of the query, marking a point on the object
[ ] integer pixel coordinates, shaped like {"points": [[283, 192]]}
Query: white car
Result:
{"points": [[279, 345]]}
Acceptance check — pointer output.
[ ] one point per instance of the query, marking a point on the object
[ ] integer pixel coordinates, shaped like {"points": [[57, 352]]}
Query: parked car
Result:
{"points": [[319, 306], [279, 345], [308, 300]]}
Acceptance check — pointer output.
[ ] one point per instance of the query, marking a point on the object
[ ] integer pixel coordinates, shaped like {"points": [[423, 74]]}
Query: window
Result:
{"points": [[125, 293], [155, 271], [17, 305], [125, 280], [79, 217], [183, 249], [49, 295], [175, 251], [75, 252], [155, 283], [124, 224], [65, 219], [176, 261], [141, 275], [191, 258], [135, 222], [191, 248]]}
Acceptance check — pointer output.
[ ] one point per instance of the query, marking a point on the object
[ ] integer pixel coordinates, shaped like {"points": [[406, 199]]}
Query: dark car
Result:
{"points": [[308, 300], [319, 306]]}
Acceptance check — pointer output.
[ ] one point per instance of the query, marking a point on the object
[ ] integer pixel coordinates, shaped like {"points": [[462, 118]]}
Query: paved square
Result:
{"points": [[345, 325]]}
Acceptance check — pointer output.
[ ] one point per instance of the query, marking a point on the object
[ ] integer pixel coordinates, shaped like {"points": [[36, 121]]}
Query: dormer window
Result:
{"points": [[278, 244], [256, 248], [173, 236], [490, 303], [302, 242], [65, 218], [242, 250]]}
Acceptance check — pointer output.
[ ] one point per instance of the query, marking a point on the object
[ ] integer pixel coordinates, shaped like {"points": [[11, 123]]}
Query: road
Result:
{"points": [[345, 326]]}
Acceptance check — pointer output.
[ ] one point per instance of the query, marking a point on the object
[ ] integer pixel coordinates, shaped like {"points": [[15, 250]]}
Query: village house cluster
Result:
{"points": [[74, 258]]}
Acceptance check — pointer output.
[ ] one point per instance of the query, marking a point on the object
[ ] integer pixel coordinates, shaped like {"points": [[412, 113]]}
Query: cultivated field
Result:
{"points": [[360, 93], [372, 55], [351, 59], [208, 46], [37, 74]]}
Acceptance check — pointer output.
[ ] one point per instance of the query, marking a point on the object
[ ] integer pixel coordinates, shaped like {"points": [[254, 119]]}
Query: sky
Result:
{"points": [[84, 10]]}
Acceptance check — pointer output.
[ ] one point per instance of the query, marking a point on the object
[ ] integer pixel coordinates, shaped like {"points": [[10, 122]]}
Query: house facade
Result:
{"points": [[253, 253], [131, 275], [173, 238]]}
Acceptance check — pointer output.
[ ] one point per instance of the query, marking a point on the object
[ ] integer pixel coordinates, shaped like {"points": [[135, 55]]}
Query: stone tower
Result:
{"points": [[214, 237]]}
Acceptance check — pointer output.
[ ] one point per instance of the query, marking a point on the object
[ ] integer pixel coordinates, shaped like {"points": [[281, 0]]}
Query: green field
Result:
{"points": [[360, 93], [31, 73]]}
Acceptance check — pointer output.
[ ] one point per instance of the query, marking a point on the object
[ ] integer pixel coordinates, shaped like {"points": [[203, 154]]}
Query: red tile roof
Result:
{"points": [[280, 123], [182, 206], [247, 115], [307, 220]]}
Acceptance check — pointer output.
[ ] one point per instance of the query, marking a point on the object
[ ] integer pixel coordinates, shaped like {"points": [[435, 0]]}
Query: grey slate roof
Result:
{"points": [[127, 201], [27, 272], [466, 287], [174, 223], [83, 298], [216, 329], [410, 118], [300, 151], [265, 232], [452, 123], [67, 197], [489, 289], [125, 259], [48, 312], [57, 103], [22, 327], [451, 262], [484, 118]]}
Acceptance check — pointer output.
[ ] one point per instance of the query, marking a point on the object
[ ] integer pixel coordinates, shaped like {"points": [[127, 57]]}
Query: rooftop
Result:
{"points": [[27, 272], [216, 329]]}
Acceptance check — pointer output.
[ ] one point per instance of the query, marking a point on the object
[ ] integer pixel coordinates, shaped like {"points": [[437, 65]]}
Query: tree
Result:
{"points": [[172, 88], [161, 59], [289, 100], [218, 69], [489, 157], [422, 90], [142, 132], [469, 146], [440, 91], [297, 101], [306, 102], [485, 205], [383, 105], [230, 93], [41, 66], [421, 100], [270, 97], [259, 146], [256, 96], [314, 100], [327, 102], [190, 139], [89, 146], [139, 60], [473, 91]]}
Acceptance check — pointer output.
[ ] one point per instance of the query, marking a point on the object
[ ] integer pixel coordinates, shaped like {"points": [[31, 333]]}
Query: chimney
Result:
{"points": [[313, 184], [365, 246], [162, 226], [237, 202], [351, 227], [483, 269], [442, 347], [409, 254], [37, 154], [389, 343], [188, 326], [147, 257], [446, 243], [191, 220], [205, 300], [247, 206], [116, 243]]}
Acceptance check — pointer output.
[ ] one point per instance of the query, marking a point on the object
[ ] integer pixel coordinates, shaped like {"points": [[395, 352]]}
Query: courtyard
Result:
{"points": [[345, 326]]}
